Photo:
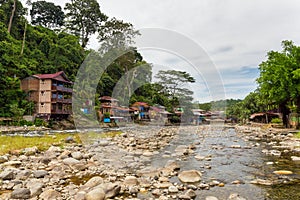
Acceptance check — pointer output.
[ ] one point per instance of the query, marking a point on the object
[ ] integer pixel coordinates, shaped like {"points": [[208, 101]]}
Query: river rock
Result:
{"points": [[211, 198], [30, 151], [283, 172], [77, 155], [7, 175], [40, 173], [262, 182], [20, 193], [70, 161], [235, 196], [97, 180], [172, 165], [130, 181], [147, 154], [295, 158], [184, 196], [3, 159], [13, 163], [110, 189], [173, 189], [156, 192], [35, 188], [191, 176], [198, 157], [50, 195], [191, 193], [69, 139], [54, 149], [163, 185], [96, 194]]}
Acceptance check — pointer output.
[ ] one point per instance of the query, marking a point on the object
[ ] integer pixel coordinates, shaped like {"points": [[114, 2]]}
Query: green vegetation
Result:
{"points": [[297, 135], [15, 143], [43, 46], [278, 86], [276, 121]]}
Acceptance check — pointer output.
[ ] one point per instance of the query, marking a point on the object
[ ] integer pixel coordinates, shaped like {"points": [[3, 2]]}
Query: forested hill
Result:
{"points": [[48, 45], [43, 51]]}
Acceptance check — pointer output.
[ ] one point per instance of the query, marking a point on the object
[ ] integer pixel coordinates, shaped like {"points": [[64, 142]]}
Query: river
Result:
{"points": [[233, 160]]}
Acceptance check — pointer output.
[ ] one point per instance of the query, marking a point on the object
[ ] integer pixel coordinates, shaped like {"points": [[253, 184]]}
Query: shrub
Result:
{"points": [[106, 115], [276, 121], [39, 122]]}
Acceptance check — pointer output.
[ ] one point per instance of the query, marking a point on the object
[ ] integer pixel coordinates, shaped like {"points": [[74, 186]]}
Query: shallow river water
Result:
{"points": [[232, 159]]}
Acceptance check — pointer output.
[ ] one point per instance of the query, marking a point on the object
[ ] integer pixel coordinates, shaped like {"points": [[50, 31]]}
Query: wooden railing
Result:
{"points": [[61, 88]]}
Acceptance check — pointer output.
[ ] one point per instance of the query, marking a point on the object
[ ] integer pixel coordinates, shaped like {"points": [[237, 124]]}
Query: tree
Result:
{"points": [[278, 81], [116, 34], [243, 109], [173, 83], [83, 18], [12, 14], [46, 14]]}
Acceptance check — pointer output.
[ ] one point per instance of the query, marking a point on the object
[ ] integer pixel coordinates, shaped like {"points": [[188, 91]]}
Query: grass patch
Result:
{"points": [[12, 143], [297, 135]]}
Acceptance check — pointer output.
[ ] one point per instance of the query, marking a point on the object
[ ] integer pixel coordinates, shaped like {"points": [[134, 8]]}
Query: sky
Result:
{"points": [[234, 37]]}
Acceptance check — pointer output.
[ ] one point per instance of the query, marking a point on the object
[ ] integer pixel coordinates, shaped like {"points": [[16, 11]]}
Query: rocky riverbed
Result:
{"points": [[203, 162]]}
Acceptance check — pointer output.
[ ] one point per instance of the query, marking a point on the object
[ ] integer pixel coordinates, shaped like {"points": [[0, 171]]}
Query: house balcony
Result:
{"points": [[61, 89], [61, 112], [58, 100]]}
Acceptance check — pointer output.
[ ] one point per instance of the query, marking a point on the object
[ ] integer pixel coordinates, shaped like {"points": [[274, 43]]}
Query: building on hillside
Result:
{"points": [[141, 110], [109, 107], [159, 113], [51, 94], [198, 116]]}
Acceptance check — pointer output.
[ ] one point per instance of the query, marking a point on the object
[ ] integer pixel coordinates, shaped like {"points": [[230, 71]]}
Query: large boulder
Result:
{"points": [[96, 194], [7, 175], [130, 181], [97, 180], [190, 176], [20, 193], [50, 195]]}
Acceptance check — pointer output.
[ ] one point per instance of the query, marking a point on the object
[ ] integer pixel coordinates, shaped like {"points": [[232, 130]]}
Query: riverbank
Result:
{"points": [[11, 129], [192, 162]]}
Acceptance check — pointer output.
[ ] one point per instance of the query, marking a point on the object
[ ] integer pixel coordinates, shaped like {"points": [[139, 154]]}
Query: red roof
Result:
{"points": [[108, 98], [140, 104], [55, 76]]}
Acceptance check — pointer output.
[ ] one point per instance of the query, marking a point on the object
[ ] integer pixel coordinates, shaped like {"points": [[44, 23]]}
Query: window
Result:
{"points": [[43, 105], [43, 81], [43, 93]]}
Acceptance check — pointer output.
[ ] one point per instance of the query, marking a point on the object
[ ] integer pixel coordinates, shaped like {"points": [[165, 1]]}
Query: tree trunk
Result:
{"points": [[285, 112], [12, 16], [24, 37]]}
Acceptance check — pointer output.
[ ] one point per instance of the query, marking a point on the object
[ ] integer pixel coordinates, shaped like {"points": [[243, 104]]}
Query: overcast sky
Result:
{"points": [[235, 34]]}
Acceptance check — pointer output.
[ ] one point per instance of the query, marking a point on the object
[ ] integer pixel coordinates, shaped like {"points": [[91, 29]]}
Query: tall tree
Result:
{"points": [[278, 81], [12, 15], [116, 34], [83, 18], [174, 82], [46, 14], [174, 85]]}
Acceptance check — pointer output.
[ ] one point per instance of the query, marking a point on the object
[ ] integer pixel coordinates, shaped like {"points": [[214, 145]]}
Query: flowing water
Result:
{"points": [[233, 159]]}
